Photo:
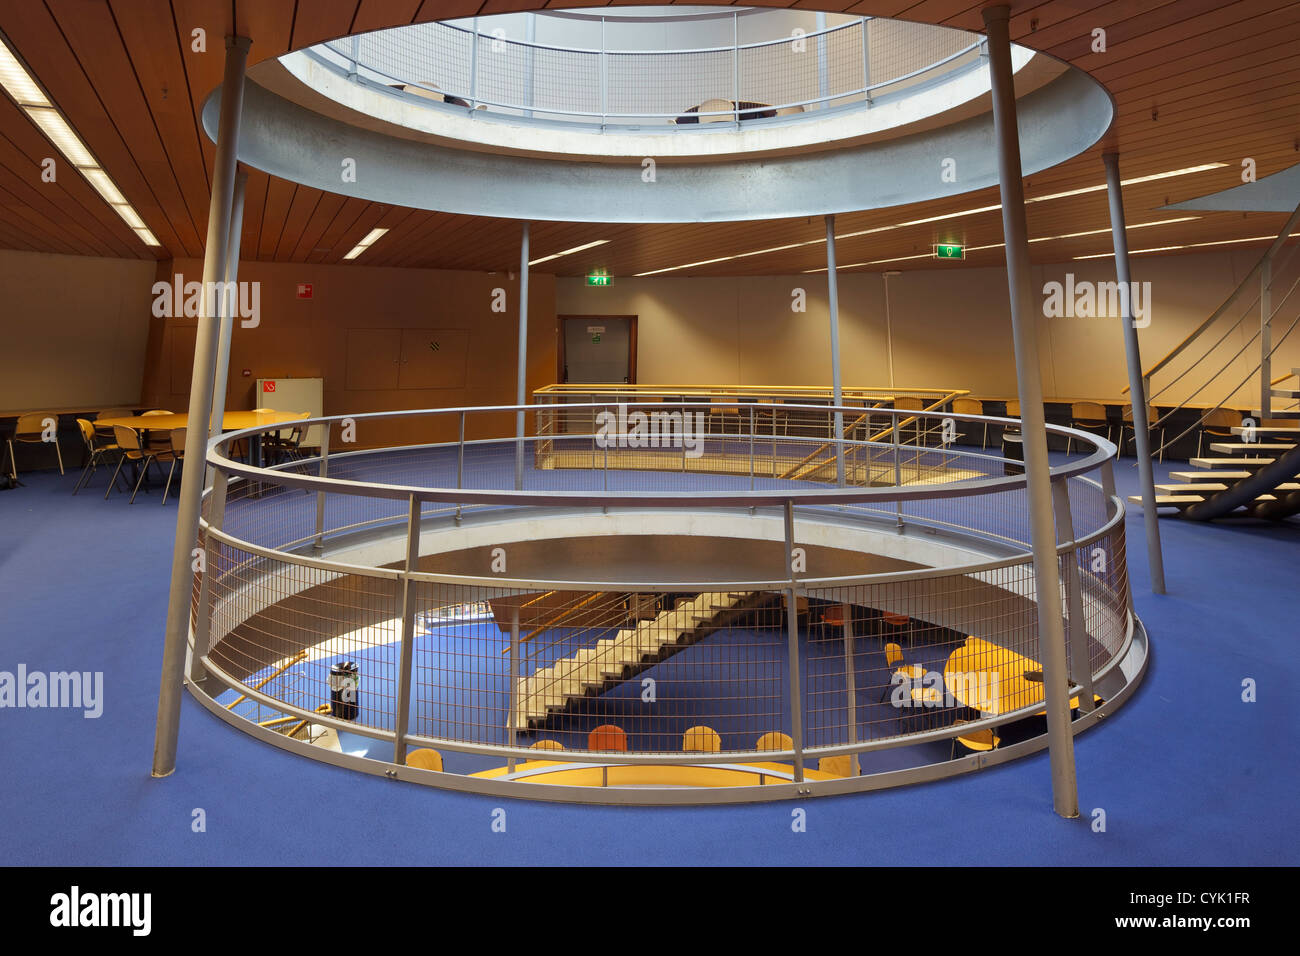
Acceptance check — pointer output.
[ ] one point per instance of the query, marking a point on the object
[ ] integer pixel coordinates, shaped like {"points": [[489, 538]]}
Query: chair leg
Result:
{"points": [[59, 453], [87, 472], [13, 462], [112, 482], [168, 488], [144, 469]]}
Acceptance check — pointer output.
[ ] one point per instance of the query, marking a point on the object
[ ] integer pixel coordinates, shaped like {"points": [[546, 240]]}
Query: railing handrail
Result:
{"points": [[1269, 253], [1102, 451]]}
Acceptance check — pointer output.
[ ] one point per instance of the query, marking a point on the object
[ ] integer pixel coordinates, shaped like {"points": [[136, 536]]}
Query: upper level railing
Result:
{"points": [[849, 65], [1227, 355]]}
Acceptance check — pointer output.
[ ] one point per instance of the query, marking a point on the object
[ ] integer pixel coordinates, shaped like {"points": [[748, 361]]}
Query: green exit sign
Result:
{"points": [[949, 250], [594, 279]]}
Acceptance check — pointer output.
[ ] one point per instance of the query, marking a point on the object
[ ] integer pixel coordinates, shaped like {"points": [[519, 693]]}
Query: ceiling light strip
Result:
{"points": [[32, 100], [365, 243]]}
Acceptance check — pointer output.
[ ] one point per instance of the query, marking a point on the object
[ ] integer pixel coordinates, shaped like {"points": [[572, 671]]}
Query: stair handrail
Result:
{"points": [[1286, 232]]}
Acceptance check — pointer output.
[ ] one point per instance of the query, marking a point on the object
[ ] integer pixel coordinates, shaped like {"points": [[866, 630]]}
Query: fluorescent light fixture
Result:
{"points": [[104, 186], [568, 252], [58, 132], [1189, 245], [27, 93], [1131, 226], [365, 243], [129, 214], [955, 215], [17, 82]]}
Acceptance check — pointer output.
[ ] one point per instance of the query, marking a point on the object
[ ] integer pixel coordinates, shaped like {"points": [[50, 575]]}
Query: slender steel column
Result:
{"points": [[837, 386], [792, 645], [514, 684], [1136, 385], [228, 305], [406, 601], [1051, 625], [522, 382], [205, 349], [1265, 341]]}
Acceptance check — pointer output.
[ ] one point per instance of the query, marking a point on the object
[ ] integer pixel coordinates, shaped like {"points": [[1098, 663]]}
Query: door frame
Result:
{"points": [[631, 343]]}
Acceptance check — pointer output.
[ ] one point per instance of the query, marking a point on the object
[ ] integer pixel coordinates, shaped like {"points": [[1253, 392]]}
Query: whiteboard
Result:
{"points": [[294, 395]]}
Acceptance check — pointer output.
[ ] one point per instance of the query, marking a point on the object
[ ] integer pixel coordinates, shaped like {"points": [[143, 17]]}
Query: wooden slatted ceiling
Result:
{"points": [[1223, 80]]}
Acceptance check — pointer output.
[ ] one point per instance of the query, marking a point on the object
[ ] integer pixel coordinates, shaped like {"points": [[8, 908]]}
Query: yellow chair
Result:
{"points": [[893, 654], [1089, 416], [701, 739], [176, 452], [96, 449], [547, 745], [30, 430], [425, 759], [1217, 424], [774, 740], [977, 741], [128, 439], [840, 766], [1153, 416]]}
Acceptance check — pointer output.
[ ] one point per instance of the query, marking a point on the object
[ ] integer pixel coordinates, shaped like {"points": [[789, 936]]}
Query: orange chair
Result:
{"points": [[607, 737]]}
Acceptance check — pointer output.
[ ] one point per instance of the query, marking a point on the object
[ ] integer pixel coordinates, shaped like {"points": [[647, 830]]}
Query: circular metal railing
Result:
{"points": [[695, 602], [850, 65]]}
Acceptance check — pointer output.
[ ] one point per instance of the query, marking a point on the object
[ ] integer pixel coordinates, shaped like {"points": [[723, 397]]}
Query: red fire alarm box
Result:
{"points": [[304, 290]]}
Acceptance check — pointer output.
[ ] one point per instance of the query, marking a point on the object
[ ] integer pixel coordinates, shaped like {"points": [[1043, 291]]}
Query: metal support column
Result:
{"points": [[319, 544], [514, 684], [406, 600], [1051, 626], [205, 348], [521, 384], [1265, 341], [1136, 384], [228, 303], [851, 680], [792, 645], [1080, 660], [837, 386]]}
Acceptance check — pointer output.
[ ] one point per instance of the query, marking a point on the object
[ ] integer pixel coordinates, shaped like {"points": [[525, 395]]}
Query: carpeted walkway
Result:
{"points": [[1186, 773]]}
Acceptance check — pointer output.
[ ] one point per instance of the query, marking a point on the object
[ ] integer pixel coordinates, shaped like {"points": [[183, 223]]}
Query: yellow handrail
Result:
{"points": [[297, 658]]}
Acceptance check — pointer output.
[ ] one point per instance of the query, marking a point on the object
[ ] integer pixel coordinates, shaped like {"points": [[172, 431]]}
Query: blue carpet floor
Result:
{"points": [[1186, 773]]}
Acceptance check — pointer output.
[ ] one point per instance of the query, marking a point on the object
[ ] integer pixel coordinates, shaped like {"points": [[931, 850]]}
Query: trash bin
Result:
{"points": [[1013, 451], [345, 694]]}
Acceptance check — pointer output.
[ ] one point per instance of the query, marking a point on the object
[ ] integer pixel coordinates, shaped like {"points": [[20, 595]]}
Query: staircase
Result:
{"points": [[1255, 478], [596, 668]]}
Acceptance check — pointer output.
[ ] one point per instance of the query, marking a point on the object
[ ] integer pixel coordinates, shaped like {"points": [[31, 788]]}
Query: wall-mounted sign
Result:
{"points": [[268, 385], [599, 279], [304, 290], [595, 329], [949, 250]]}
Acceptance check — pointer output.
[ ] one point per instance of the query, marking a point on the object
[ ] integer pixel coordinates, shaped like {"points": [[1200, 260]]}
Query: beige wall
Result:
{"points": [[73, 330], [308, 338], [951, 327]]}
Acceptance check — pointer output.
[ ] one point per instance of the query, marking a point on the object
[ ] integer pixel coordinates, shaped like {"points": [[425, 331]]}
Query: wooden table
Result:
{"points": [[230, 421]]}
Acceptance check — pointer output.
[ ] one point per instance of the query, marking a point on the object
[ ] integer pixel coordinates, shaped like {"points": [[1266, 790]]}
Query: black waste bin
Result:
{"points": [[1013, 451], [345, 692]]}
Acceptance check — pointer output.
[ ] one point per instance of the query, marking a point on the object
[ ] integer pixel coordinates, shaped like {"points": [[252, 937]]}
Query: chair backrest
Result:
{"points": [[1013, 408], [840, 765], [177, 439], [547, 745], [607, 737], [424, 758], [156, 411], [968, 406], [1222, 418], [33, 423], [715, 106], [1152, 414], [701, 739], [893, 653], [87, 433], [128, 439], [1088, 412], [115, 413], [774, 740]]}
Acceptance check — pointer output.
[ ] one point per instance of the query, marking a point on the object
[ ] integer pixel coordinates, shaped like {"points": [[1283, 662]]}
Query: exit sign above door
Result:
{"points": [[595, 279], [949, 250]]}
